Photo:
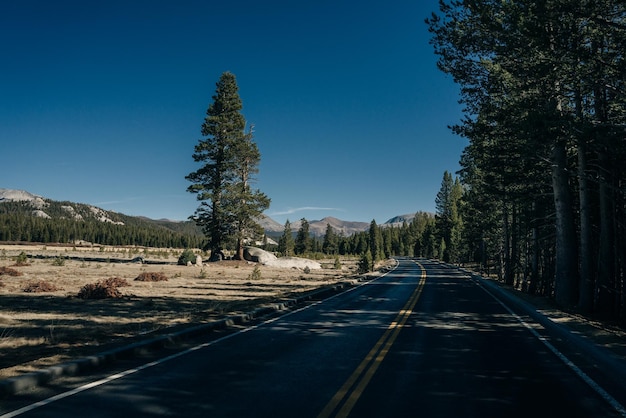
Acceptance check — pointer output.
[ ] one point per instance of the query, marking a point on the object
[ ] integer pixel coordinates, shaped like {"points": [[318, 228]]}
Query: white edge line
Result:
{"points": [[595, 386]]}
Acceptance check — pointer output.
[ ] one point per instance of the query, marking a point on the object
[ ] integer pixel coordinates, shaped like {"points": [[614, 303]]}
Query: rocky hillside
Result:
{"points": [[28, 204], [28, 217]]}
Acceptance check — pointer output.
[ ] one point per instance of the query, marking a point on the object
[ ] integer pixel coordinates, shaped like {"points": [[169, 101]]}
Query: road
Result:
{"points": [[423, 340]]}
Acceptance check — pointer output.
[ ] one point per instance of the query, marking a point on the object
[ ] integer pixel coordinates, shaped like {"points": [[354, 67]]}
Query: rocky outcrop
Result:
{"points": [[258, 255]]}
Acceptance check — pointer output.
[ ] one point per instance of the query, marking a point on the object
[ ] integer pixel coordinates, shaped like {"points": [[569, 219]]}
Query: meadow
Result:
{"points": [[47, 315]]}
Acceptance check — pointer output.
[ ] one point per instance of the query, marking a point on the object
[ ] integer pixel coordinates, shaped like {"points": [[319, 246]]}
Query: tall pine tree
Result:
{"points": [[222, 184]]}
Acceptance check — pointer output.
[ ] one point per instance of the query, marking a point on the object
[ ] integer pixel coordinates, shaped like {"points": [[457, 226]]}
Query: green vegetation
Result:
{"points": [[187, 256], [302, 244], [286, 242], [59, 261], [255, 274], [542, 179], [21, 259], [230, 158], [17, 223], [365, 263]]}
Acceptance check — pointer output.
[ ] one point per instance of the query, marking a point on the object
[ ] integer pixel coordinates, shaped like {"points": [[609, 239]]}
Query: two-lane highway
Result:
{"points": [[423, 340]]}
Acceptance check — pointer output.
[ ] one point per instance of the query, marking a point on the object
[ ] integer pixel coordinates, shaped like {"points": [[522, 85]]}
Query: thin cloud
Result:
{"points": [[119, 202], [291, 211]]}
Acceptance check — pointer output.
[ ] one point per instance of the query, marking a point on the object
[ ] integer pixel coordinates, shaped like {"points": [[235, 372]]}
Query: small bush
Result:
{"points": [[116, 282], [151, 277], [337, 264], [59, 261], [365, 264], [21, 259], [40, 287], [9, 271], [256, 274], [185, 257], [103, 289]]}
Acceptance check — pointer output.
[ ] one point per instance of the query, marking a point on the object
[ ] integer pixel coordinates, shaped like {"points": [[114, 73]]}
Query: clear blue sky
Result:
{"points": [[101, 102]]}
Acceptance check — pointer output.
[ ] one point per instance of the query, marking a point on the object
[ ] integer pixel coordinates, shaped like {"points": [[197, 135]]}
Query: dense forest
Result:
{"points": [[64, 225], [541, 196], [415, 238]]}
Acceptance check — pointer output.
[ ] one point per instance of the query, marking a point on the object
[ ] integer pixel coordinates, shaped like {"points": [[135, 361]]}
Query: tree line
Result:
{"points": [[17, 223], [416, 238], [542, 181]]}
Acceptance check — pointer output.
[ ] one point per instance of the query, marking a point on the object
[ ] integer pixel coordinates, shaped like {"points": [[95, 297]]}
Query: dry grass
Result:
{"points": [[9, 271], [41, 329], [40, 286], [151, 277]]}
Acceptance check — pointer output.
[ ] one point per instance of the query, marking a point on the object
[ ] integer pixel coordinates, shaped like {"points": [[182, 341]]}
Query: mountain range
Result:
{"points": [[47, 208]]}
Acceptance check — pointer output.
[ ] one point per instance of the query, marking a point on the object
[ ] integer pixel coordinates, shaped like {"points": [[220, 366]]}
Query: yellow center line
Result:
{"points": [[365, 371]]}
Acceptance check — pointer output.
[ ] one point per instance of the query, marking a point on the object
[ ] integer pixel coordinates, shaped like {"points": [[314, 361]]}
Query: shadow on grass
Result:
{"points": [[40, 326]]}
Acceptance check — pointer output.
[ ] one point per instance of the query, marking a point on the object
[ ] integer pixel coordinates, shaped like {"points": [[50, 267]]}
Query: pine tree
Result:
{"points": [[285, 242], [222, 184], [543, 87], [303, 240], [243, 203], [448, 218], [330, 243], [375, 242]]}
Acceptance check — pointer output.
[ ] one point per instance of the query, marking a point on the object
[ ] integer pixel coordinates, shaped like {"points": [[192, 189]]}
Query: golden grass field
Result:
{"points": [[39, 329]]}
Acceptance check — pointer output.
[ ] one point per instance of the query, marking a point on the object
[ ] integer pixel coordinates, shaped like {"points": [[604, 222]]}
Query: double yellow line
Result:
{"points": [[352, 390]]}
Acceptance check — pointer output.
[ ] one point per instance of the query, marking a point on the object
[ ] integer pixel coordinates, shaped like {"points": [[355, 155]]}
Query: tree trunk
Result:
{"points": [[512, 270], [534, 270], [566, 274], [239, 252], [585, 297], [604, 283], [506, 244]]}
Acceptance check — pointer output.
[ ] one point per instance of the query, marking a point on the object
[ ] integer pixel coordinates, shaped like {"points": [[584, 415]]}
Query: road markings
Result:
{"points": [[353, 388], [595, 386]]}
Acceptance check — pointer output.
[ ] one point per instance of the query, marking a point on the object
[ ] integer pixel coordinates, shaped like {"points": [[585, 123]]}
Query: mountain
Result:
{"points": [[397, 221], [270, 226], [41, 207], [346, 228], [10, 195], [54, 221]]}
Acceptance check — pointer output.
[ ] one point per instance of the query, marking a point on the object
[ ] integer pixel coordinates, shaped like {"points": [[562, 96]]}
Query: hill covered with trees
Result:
{"points": [[67, 222]]}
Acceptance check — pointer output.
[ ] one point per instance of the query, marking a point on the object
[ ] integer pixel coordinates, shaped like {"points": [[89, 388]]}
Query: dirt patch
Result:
{"points": [[39, 329]]}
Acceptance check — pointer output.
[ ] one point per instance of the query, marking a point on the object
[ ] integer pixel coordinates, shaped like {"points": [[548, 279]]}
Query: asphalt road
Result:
{"points": [[421, 341]]}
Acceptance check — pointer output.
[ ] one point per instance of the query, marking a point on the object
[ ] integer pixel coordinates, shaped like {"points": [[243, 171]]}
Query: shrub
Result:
{"points": [[151, 277], [116, 282], [59, 261], [103, 289], [365, 264], [21, 259], [256, 274], [9, 271], [186, 256], [40, 287], [337, 263]]}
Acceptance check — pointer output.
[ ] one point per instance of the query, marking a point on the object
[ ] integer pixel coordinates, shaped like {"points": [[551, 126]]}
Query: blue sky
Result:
{"points": [[102, 102]]}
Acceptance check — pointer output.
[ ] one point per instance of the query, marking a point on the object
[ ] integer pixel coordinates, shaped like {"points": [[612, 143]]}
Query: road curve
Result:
{"points": [[423, 340]]}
